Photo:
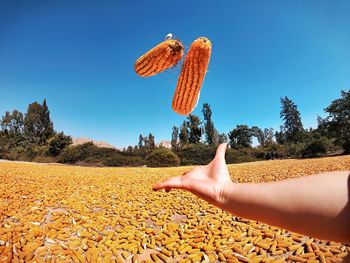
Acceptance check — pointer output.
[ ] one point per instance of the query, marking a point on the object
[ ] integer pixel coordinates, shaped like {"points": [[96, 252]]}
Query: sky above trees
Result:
{"points": [[80, 56]]}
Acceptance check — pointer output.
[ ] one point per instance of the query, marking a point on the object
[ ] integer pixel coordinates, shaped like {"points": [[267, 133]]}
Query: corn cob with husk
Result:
{"points": [[191, 77], [163, 56]]}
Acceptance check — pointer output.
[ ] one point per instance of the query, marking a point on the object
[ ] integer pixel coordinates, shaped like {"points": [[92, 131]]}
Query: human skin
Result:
{"points": [[316, 205]]}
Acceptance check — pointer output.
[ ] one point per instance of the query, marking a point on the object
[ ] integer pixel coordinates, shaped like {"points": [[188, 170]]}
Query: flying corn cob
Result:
{"points": [[191, 77], [163, 56]]}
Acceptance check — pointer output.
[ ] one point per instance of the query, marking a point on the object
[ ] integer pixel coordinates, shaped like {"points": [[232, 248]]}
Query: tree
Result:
{"points": [[264, 137], [174, 136], [215, 138], [259, 134], [12, 126], [292, 127], [209, 128], [268, 134], [194, 126], [151, 141], [183, 136], [241, 136], [280, 136], [323, 127], [38, 126], [46, 120], [338, 120], [140, 144], [58, 143], [129, 149], [146, 143], [222, 138], [12, 122]]}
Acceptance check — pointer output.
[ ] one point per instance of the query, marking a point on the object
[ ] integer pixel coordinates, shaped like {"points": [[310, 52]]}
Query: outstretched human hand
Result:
{"points": [[207, 182], [315, 205]]}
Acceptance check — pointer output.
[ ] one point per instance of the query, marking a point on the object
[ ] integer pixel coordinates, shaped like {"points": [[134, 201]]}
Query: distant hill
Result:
{"points": [[166, 144], [101, 144], [82, 140]]}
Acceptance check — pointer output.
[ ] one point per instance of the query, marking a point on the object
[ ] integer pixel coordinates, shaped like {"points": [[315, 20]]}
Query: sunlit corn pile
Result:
{"points": [[54, 213]]}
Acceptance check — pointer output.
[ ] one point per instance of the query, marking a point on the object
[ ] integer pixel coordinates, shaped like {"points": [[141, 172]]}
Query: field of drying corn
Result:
{"points": [[56, 213]]}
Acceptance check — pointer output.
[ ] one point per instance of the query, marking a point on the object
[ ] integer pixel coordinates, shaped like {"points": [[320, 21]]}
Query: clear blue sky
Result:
{"points": [[79, 55]]}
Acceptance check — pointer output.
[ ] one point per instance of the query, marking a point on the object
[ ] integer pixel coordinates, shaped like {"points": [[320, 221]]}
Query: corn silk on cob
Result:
{"points": [[191, 77]]}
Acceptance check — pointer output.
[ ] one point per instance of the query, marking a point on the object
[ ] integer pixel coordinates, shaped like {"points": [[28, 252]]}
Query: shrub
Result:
{"points": [[6, 155], [121, 160], [89, 154], [317, 147], [276, 151], [57, 143], [241, 155], [78, 153], [162, 157], [196, 154]]}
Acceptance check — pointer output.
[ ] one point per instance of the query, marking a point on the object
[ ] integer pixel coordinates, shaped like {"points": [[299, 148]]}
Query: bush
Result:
{"points": [[296, 150], [276, 151], [244, 155], [162, 157], [121, 160], [78, 153], [196, 154], [57, 143], [317, 147], [88, 153], [23, 153], [6, 155]]}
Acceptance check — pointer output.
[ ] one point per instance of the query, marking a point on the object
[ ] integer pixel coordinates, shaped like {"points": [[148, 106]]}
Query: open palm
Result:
{"points": [[207, 181]]}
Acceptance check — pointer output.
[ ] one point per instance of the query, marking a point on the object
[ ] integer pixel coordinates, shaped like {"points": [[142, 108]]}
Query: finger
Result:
{"points": [[220, 151], [174, 182], [185, 173]]}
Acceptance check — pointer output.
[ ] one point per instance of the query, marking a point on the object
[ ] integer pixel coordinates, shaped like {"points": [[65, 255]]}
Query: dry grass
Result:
{"points": [[66, 213]]}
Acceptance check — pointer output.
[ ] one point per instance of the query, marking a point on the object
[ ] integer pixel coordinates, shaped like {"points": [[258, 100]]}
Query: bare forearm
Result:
{"points": [[315, 205]]}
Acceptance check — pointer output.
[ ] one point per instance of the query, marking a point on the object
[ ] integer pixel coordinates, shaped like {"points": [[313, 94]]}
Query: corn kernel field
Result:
{"points": [[57, 213]]}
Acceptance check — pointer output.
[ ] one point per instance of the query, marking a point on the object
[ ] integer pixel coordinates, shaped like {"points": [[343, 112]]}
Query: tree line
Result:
{"points": [[291, 140], [31, 136]]}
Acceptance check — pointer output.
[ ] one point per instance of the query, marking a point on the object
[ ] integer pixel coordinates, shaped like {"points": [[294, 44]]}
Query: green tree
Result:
{"points": [[151, 141], [38, 126], [241, 136], [183, 136], [148, 141], [140, 144], [12, 122], [281, 136], [194, 126], [12, 127], [292, 127], [174, 136], [338, 120], [209, 129], [268, 135], [58, 143], [129, 149], [259, 135], [264, 137], [46, 120], [323, 127], [222, 138]]}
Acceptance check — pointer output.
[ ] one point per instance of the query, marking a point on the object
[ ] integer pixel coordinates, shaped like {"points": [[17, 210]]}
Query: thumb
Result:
{"points": [[220, 152], [173, 182]]}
